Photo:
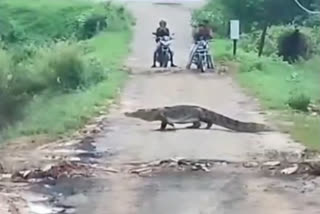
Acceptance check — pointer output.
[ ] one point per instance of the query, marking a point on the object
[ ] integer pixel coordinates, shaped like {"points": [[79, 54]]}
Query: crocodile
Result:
{"points": [[182, 114]]}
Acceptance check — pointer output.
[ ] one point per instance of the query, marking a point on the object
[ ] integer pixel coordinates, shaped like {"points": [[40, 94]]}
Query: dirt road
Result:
{"points": [[136, 140], [225, 190]]}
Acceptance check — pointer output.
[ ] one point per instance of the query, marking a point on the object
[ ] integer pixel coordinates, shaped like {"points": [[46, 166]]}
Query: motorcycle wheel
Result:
{"points": [[159, 59], [165, 60], [197, 62], [203, 65]]}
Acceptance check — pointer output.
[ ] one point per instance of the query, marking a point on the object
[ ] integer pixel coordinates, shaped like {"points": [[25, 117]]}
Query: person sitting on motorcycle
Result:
{"points": [[204, 31], [162, 30]]}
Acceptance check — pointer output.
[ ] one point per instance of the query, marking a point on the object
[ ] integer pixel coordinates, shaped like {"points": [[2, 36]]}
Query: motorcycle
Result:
{"points": [[201, 57], [163, 54]]}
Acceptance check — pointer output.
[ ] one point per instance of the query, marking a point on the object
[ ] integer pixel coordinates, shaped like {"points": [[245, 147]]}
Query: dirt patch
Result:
{"points": [[38, 160], [39, 150]]}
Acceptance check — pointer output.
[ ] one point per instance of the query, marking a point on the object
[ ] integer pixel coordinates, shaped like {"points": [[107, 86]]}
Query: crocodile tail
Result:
{"points": [[237, 125], [253, 127]]}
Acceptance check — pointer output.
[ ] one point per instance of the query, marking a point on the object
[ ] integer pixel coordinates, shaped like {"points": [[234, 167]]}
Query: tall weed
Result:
{"points": [[63, 65]]}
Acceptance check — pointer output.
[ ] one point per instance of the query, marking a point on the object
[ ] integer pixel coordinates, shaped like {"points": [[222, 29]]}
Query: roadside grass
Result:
{"points": [[53, 17], [61, 62], [38, 21], [55, 113], [274, 82]]}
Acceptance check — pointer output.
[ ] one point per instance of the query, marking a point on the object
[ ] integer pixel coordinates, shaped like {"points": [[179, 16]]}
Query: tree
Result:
{"points": [[264, 13]]}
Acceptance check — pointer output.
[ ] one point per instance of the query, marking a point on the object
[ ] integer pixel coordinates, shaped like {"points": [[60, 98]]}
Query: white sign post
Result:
{"points": [[234, 33]]}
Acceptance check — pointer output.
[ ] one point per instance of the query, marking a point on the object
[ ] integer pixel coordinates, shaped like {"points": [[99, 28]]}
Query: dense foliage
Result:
{"points": [[43, 48], [256, 15]]}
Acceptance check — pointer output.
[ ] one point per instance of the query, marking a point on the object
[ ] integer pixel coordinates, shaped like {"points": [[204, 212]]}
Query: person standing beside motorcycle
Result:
{"points": [[162, 30], [203, 31]]}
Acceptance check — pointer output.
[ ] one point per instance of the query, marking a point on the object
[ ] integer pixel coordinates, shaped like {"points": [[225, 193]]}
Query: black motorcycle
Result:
{"points": [[163, 54], [202, 57]]}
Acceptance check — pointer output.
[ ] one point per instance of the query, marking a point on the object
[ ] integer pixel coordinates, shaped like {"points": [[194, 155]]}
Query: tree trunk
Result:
{"points": [[262, 39]]}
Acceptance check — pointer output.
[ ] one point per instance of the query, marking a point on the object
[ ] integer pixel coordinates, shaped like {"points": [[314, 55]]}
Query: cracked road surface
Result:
{"points": [[225, 190]]}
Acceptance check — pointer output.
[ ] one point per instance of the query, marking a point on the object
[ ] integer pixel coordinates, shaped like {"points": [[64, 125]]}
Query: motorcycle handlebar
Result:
{"points": [[171, 38], [155, 34]]}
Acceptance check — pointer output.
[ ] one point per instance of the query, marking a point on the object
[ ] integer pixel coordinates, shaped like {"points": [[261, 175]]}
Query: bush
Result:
{"points": [[11, 31], [293, 45], [23, 52], [10, 108], [89, 24], [58, 66], [63, 65], [118, 18], [299, 102], [9, 102]]}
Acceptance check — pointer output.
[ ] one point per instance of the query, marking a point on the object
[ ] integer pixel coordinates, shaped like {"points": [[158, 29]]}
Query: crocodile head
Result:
{"points": [[151, 114]]}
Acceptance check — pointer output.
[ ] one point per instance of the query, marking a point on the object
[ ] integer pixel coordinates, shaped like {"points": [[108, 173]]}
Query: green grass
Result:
{"points": [[42, 20], [55, 114], [305, 129], [274, 82], [59, 84]]}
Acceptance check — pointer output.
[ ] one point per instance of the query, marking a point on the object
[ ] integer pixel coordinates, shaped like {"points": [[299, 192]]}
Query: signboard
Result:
{"points": [[234, 29]]}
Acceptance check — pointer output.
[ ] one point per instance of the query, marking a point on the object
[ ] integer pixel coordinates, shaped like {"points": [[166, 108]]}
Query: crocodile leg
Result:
{"points": [[209, 123], [163, 125], [195, 125]]}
